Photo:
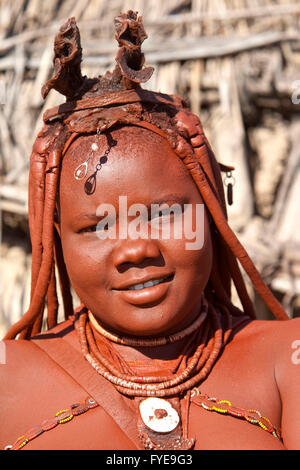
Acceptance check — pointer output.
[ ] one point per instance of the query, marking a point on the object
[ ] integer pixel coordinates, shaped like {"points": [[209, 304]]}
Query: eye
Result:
{"points": [[168, 213], [94, 228], [161, 213]]}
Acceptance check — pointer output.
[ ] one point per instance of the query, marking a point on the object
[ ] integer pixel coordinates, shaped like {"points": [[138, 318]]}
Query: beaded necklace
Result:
{"points": [[198, 364], [163, 414], [129, 341]]}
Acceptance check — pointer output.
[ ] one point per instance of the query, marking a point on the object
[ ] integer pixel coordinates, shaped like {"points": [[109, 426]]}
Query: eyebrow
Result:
{"points": [[169, 198], [174, 198], [167, 203], [80, 217]]}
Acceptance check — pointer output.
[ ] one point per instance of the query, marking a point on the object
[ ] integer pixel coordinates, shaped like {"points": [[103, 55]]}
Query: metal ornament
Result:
{"points": [[81, 171], [90, 184], [229, 183], [159, 415]]}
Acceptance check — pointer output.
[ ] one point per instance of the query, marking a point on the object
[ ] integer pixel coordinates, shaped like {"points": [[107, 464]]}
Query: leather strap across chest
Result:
{"points": [[72, 362]]}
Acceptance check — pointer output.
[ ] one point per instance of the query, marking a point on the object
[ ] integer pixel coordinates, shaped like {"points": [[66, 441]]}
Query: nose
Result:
{"points": [[135, 252]]}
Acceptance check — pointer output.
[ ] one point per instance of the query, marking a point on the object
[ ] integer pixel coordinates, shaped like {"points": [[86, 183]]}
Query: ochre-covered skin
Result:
{"points": [[160, 155]]}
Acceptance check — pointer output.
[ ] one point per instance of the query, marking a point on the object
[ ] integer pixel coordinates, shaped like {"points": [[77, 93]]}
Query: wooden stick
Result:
{"points": [[288, 176], [12, 192], [228, 15], [189, 49]]}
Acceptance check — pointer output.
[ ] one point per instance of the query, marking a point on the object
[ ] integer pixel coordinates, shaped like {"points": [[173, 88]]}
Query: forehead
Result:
{"points": [[141, 162]]}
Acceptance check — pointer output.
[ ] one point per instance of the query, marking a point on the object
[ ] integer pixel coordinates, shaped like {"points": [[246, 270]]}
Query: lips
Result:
{"points": [[145, 291], [144, 282]]}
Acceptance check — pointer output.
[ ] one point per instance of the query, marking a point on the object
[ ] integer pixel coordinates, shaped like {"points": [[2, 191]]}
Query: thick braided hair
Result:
{"points": [[98, 105]]}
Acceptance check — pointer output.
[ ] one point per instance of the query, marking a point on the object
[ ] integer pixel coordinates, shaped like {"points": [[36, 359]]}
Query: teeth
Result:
{"points": [[152, 283], [137, 287], [146, 284]]}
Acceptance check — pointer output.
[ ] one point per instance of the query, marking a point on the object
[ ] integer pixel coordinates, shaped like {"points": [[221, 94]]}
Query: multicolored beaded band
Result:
{"points": [[225, 406], [61, 417], [207, 403]]}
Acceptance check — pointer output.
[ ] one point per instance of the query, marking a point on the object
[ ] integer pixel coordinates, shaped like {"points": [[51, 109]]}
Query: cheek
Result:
{"points": [[85, 262], [192, 259], [194, 247]]}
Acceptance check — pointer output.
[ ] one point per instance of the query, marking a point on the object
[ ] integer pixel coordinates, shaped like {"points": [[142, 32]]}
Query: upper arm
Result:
{"points": [[287, 373]]}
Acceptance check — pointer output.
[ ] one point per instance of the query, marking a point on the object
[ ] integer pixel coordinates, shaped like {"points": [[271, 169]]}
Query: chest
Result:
{"points": [[211, 430], [245, 404], [221, 431], [97, 430], [244, 383]]}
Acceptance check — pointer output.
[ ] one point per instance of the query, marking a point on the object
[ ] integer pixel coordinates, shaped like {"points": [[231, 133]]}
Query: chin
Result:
{"points": [[154, 325]]}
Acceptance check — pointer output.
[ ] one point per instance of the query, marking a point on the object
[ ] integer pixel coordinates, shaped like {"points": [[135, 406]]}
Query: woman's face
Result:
{"points": [[114, 277]]}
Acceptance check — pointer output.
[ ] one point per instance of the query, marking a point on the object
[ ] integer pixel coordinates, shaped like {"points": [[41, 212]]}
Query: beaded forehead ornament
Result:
{"points": [[81, 171]]}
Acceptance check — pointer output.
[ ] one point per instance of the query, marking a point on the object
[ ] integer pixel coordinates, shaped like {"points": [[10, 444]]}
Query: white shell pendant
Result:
{"points": [[159, 415]]}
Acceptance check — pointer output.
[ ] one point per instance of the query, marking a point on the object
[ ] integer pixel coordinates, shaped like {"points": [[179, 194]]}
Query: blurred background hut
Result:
{"points": [[237, 62]]}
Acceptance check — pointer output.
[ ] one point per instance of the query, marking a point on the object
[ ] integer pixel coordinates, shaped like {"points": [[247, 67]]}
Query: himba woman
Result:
{"points": [[156, 356]]}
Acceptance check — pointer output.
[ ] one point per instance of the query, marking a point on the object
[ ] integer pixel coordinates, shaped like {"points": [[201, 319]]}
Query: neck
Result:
{"points": [[166, 352], [162, 353], [165, 345], [190, 323]]}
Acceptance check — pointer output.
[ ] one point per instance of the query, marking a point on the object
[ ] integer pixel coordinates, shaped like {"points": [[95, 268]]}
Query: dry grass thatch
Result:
{"points": [[236, 61]]}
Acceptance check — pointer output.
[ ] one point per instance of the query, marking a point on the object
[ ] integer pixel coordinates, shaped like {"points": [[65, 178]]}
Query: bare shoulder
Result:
{"points": [[17, 352], [282, 334], [287, 375], [20, 368], [32, 385], [273, 326], [274, 343], [285, 336], [19, 360], [21, 354]]}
